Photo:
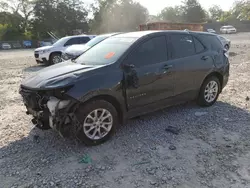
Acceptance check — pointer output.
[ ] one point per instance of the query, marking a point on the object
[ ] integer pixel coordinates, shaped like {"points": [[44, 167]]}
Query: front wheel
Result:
{"points": [[97, 122], [209, 91], [226, 47], [55, 58]]}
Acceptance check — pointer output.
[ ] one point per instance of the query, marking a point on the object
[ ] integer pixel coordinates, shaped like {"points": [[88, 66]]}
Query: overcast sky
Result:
{"points": [[155, 6]]}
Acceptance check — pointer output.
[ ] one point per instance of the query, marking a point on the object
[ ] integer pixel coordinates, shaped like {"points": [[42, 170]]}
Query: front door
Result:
{"points": [[148, 76]]}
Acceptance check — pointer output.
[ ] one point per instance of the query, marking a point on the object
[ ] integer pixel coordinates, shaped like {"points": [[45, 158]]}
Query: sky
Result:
{"points": [[155, 6]]}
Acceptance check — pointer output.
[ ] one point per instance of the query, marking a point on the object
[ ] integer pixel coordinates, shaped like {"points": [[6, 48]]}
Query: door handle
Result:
{"points": [[204, 58], [168, 66]]}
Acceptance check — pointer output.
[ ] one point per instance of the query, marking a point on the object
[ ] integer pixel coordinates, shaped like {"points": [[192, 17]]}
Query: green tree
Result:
{"points": [[171, 14], [111, 15], [61, 17], [241, 10], [215, 12], [193, 12]]}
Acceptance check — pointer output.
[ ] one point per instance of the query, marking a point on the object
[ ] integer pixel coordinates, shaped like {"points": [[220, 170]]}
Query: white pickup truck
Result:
{"points": [[52, 54]]}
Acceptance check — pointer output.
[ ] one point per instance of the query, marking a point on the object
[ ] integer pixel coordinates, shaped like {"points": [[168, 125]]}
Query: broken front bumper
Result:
{"points": [[48, 109]]}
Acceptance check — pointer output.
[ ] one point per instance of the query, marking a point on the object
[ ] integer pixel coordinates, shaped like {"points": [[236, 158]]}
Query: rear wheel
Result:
{"points": [[97, 122], [209, 91]]}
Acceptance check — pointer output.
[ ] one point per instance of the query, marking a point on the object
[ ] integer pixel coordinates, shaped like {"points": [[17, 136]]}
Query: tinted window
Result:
{"points": [[214, 43], [72, 41], [106, 52], [150, 52], [198, 46], [84, 40], [183, 46]]}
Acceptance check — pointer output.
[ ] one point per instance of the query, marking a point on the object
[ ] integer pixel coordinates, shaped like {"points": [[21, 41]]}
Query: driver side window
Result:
{"points": [[152, 51]]}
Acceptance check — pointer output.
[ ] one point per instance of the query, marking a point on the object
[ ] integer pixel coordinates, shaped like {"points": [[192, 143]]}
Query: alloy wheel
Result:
{"points": [[211, 91], [56, 59], [98, 124]]}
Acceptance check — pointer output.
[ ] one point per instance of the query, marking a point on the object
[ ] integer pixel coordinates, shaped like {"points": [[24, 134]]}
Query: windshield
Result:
{"points": [[228, 27], [106, 52], [61, 41], [95, 40]]}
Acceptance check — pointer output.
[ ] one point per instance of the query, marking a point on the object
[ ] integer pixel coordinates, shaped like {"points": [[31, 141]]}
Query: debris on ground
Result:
{"points": [[172, 147], [86, 159], [173, 130]]}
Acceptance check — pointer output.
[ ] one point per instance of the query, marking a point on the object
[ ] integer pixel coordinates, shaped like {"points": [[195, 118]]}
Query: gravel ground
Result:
{"points": [[212, 148]]}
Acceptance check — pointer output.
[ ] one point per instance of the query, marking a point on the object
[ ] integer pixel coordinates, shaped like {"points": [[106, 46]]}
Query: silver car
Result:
{"points": [[225, 42], [228, 29]]}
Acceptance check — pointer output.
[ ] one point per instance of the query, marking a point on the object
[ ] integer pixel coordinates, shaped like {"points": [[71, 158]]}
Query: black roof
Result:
{"points": [[138, 34]]}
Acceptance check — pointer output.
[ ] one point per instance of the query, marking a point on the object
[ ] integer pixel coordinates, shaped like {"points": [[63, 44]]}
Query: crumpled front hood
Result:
{"points": [[44, 48], [76, 49], [56, 72]]}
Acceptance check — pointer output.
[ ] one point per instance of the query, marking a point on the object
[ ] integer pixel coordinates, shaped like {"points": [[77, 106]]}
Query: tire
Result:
{"points": [[55, 58], [202, 101], [226, 47], [85, 111]]}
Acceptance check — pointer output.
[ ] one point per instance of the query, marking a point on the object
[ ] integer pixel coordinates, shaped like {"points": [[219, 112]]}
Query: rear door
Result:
{"points": [[191, 62], [147, 73]]}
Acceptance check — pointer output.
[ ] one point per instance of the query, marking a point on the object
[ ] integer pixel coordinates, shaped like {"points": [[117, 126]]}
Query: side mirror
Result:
{"points": [[128, 66]]}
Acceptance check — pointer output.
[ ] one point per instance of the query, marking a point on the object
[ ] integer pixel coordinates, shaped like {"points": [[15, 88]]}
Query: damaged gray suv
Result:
{"points": [[126, 76]]}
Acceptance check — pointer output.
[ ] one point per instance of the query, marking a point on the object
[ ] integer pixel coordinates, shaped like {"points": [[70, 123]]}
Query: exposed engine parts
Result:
{"points": [[48, 111]]}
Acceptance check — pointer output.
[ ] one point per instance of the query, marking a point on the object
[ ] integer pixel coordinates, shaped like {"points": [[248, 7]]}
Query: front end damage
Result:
{"points": [[50, 109]]}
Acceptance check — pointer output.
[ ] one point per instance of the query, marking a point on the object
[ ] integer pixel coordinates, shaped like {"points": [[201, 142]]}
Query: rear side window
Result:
{"points": [[152, 51], [198, 46], [84, 40], [182, 46], [214, 43]]}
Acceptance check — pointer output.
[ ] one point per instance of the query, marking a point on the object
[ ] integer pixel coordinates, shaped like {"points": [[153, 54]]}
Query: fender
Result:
{"points": [[104, 83]]}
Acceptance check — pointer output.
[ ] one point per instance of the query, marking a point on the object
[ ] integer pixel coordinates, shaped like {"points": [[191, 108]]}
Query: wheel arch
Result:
{"points": [[218, 75], [112, 100], [56, 52]]}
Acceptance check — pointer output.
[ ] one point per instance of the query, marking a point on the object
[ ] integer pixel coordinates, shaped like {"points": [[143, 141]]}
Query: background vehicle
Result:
{"points": [[76, 50], [16, 45], [6, 46], [225, 42], [126, 76], [211, 31], [228, 29], [52, 54], [27, 44]]}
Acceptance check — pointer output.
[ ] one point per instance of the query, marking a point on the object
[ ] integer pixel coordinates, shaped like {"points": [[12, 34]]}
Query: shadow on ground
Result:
{"points": [[44, 153], [34, 68]]}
